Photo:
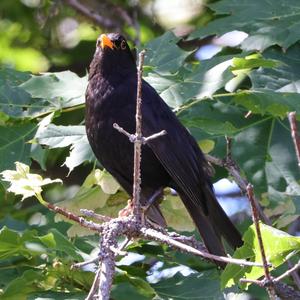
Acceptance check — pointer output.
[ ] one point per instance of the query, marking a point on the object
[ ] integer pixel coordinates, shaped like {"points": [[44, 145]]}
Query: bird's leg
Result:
{"points": [[127, 210], [154, 197]]}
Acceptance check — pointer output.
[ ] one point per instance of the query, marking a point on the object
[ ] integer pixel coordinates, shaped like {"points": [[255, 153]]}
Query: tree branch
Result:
{"points": [[268, 279], [152, 234], [96, 18], [294, 133], [288, 272], [242, 182]]}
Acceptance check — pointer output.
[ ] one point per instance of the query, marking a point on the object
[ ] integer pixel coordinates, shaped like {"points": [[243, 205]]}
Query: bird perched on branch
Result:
{"points": [[173, 160]]}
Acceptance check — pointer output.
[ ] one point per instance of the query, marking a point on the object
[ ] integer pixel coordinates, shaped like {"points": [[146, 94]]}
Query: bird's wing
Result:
{"points": [[177, 150]]}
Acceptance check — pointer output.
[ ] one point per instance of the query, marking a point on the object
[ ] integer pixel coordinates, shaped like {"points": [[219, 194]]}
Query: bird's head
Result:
{"points": [[113, 56]]}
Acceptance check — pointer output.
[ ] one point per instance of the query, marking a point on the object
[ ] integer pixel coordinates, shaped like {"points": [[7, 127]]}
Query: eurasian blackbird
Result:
{"points": [[173, 160]]}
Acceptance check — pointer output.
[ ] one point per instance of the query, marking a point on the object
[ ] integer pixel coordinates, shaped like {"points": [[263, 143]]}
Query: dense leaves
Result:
{"points": [[272, 22]]}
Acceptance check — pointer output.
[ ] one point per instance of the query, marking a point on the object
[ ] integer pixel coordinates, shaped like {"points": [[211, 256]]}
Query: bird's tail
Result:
{"points": [[213, 225]]}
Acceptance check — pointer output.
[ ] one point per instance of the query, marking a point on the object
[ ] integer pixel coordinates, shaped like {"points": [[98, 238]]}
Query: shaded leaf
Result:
{"points": [[13, 144], [204, 285], [163, 55], [268, 102], [22, 286], [273, 22], [283, 77], [142, 287], [13, 244]]}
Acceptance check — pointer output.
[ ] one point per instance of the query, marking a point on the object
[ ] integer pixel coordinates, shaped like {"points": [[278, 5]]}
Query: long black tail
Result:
{"points": [[213, 225]]}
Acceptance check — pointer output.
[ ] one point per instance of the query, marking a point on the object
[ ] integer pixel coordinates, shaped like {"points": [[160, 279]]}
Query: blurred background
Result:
{"points": [[43, 35]]}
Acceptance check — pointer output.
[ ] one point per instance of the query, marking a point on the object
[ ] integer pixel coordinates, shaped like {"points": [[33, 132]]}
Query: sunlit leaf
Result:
{"points": [[67, 136], [64, 88], [278, 244], [24, 183]]}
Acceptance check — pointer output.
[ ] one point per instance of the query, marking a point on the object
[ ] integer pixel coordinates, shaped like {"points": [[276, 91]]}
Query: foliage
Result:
{"points": [[42, 124]]}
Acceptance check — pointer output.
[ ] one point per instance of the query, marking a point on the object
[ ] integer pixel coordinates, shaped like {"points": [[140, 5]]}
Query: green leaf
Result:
{"points": [[12, 244], [13, 100], [125, 291], [268, 22], [264, 152], [22, 286], [278, 244], [61, 89], [215, 117], [67, 136], [206, 145], [23, 96], [252, 62], [59, 242], [163, 55], [175, 214], [200, 81], [13, 144], [102, 178], [13, 77], [283, 77], [268, 102], [205, 285], [141, 285], [99, 192]]}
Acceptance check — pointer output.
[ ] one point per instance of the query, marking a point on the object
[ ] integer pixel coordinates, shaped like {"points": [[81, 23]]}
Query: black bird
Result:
{"points": [[173, 160]]}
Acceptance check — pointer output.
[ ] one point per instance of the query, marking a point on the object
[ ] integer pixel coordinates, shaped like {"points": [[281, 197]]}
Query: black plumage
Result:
{"points": [[173, 160]]}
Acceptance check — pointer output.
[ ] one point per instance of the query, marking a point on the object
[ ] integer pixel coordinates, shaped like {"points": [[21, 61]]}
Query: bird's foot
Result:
{"points": [[127, 210]]}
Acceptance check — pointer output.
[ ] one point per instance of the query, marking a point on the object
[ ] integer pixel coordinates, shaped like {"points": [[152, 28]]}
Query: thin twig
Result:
{"points": [[92, 214], [131, 137], [85, 263], [294, 274], [288, 272], [84, 10], [294, 133], [83, 222], [255, 281], [154, 136], [152, 234], [94, 287], [255, 217], [242, 182], [228, 148]]}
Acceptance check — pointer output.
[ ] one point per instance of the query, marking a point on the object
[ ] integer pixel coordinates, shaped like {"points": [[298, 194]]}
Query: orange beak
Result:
{"points": [[106, 42]]}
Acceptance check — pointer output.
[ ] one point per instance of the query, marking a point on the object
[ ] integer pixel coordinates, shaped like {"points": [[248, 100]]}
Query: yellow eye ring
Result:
{"points": [[123, 45]]}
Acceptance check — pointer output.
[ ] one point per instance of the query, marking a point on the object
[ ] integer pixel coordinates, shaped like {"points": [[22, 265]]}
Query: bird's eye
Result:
{"points": [[98, 43], [123, 45]]}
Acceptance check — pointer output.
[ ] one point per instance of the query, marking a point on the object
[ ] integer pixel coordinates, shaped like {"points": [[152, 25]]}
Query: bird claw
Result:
{"points": [[127, 210]]}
